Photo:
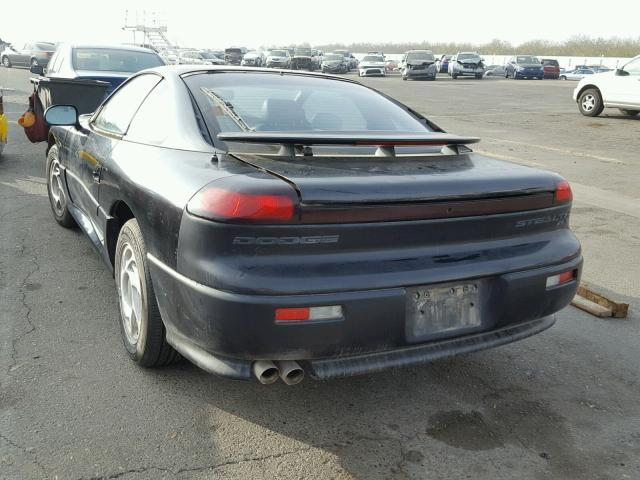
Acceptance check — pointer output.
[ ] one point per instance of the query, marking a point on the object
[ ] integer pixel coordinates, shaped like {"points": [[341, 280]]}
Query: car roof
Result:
{"points": [[111, 47], [412, 51], [181, 70]]}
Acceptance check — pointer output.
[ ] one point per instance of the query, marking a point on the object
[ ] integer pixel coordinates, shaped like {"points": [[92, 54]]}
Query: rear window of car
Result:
{"points": [[45, 46], [113, 60], [468, 56], [232, 102], [372, 58], [546, 61], [421, 56], [526, 59], [278, 53]]}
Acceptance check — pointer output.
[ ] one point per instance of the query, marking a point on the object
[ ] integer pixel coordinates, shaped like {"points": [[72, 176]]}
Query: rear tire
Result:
{"points": [[143, 333], [590, 103], [58, 199], [628, 112], [6, 62]]}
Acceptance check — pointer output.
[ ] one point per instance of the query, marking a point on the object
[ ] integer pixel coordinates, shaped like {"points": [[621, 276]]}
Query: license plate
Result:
{"points": [[440, 309]]}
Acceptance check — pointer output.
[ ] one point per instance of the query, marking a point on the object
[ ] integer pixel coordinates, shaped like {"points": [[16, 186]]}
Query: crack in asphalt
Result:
{"points": [[31, 453], [25, 306], [212, 467]]}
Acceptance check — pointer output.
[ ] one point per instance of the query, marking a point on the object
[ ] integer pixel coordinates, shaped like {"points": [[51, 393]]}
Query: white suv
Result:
{"points": [[618, 89]]}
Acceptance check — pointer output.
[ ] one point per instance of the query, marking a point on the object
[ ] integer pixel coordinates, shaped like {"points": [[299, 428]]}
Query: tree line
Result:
{"points": [[576, 46]]}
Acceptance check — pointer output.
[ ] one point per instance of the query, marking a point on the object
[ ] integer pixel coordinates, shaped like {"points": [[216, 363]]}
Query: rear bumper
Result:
{"points": [[223, 332], [324, 369]]}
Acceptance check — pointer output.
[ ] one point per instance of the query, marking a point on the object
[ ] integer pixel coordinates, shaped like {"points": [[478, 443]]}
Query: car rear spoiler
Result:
{"points": [[386, 143]]}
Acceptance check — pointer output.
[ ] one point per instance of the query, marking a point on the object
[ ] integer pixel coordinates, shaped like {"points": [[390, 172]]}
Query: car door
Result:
{"points": [[96, 141], [624, 87], [24, 55]]}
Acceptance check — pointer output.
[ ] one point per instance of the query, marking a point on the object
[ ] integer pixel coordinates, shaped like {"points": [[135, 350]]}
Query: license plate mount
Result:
{"points": [[443, 309]]}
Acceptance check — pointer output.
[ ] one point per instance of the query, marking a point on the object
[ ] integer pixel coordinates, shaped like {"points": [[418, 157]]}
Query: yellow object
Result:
{"points": [[4, 127], [27, 119]]}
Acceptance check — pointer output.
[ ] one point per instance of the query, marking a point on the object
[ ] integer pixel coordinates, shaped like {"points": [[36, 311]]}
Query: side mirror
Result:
{"points": [[621, 72], [37, 69], [64, 115]]}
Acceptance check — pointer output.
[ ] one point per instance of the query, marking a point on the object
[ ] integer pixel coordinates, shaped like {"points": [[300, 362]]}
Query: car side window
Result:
{"points": [[633, 67], [115, 116], [150, 124]]}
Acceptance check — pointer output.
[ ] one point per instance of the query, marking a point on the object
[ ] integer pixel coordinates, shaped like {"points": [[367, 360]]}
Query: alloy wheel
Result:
{"points": [[131, 300], [588, 102], [58, 197]]}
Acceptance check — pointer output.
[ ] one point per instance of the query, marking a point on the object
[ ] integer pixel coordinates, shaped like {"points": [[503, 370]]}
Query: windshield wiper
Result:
{"points": [[229, 110]]}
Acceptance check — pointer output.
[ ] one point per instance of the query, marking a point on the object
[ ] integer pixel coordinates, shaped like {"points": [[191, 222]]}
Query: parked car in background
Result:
{"points": [[495, 71], [372, 65], [443, 64], [385, 243], [112, 64], [334, 63], [278, 58], [524, 66], [346, 55], [599, 68], [419, 64], [576, 74], [233, 55], [31, 54], [466, 64], [616, 89], [551, 68], [191, 57], [378, 54], [302, 59], [391, 65], [316, 58], [253, 58], [213, 57]]}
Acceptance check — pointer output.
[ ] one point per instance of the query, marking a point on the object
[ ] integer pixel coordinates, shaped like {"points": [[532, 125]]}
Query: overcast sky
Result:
{"points": [[255, 23]]}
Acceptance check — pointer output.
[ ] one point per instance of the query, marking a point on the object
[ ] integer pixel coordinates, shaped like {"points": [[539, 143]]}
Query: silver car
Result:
{"points": [[576, 74], [30, 55], [466, 64], [419, 64]]}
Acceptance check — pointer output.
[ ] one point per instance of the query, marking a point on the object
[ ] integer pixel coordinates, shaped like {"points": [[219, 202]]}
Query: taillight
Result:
{"points": [[563, 192], [559, 279], [248, 200], [303, 314]]}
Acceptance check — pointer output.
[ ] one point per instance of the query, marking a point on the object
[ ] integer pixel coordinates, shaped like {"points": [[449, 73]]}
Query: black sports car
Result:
{"points": [[272, 223]]}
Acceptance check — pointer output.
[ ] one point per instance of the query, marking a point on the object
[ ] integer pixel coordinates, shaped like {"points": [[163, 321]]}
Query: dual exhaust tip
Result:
{"points": [[268, 372]]}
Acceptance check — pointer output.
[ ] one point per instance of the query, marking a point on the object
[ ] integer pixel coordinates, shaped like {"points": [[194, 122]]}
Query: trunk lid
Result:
{"points": [[380, 180]]}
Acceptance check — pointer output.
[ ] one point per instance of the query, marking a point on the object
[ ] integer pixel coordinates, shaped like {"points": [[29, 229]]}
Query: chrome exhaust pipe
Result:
{"points": [[265, 371], [291, 372]]}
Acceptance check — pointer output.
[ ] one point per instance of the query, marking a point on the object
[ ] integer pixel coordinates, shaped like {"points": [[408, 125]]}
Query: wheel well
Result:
{"points": [[586, 87], [120, 214]]}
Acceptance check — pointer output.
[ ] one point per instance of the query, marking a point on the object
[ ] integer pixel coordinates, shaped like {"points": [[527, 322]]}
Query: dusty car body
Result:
{"points": [[299, 223], [466, 64]]}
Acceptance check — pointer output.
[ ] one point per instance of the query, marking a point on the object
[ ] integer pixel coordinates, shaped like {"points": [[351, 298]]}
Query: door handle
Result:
{"points": [[96, 175]]}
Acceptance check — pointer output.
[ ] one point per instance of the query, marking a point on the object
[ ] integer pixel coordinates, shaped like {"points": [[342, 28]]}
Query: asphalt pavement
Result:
{"points": [[563, 404]]}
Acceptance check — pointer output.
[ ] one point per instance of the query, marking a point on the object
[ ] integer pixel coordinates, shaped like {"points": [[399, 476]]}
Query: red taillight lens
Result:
{"points": [[292, 314], [247, 202], [563, 192]]}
